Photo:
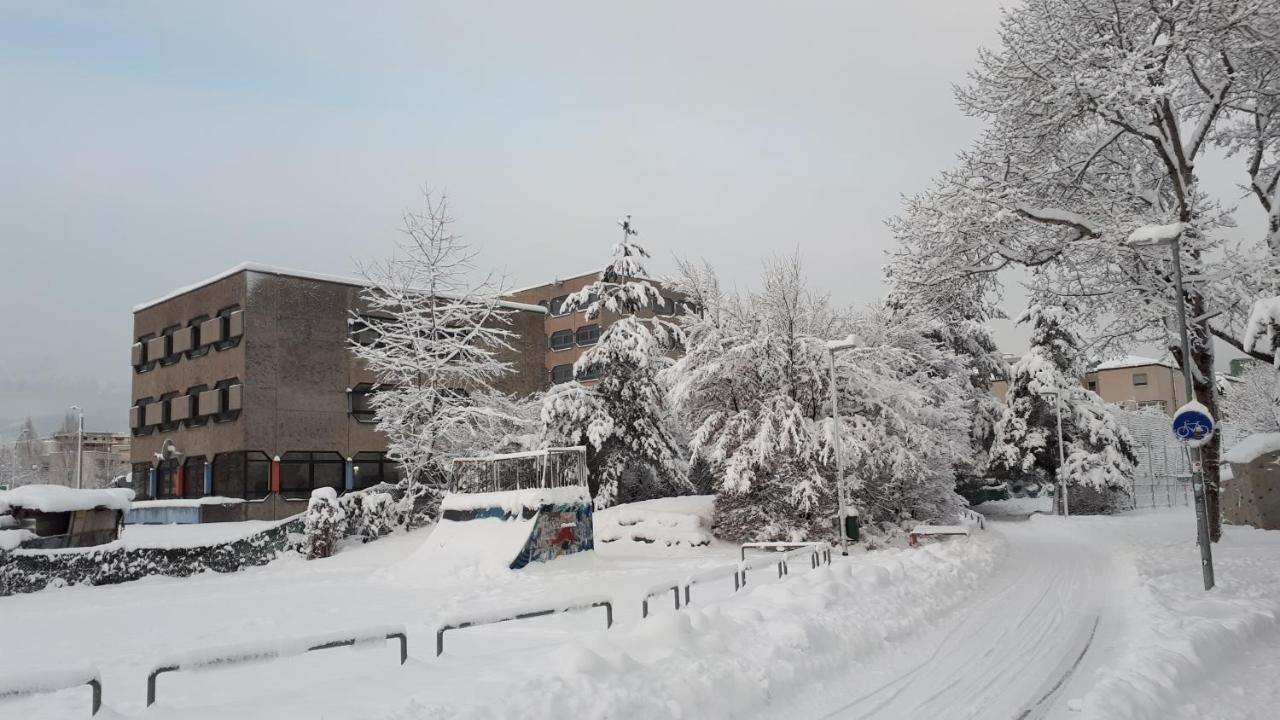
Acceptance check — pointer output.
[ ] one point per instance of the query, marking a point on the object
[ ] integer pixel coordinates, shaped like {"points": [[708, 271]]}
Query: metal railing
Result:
{"points": [[977, 517], [509, 615], [710, 574], [238, 655], [657, 590], [41, 684]]}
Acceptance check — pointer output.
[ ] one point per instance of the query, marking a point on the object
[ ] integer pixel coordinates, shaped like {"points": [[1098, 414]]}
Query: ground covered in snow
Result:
{"points": [[1043, 617]]}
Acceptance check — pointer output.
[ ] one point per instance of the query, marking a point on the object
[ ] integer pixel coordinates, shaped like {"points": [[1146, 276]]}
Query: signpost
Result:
{"points": [[1194, 426]]}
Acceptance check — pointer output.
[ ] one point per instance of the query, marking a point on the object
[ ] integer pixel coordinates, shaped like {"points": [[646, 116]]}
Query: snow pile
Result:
{"points": [[57, 498], [264, 650], [671, 522], [48, 681], [11, 539], [1016, 507], [191, 535], [731, 659], [1252, 448], [184, 502], [1193, 640], [513, 501], [482, 545], [1155, 234]]}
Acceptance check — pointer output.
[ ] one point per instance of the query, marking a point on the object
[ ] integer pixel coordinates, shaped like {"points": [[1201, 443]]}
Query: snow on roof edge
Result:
{"points": [[1252, 448], [566, 278], [1130, 361], [286, 272]]}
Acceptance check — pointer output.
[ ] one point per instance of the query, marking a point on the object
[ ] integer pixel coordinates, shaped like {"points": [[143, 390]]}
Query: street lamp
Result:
{"points": [[1171, 236], [79, 447], [1062, 450], [834, 347]]}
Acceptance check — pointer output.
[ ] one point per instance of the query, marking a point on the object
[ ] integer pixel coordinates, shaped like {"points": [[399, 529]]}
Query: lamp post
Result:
{"points": [[1172, 238], [79, 447], [832, 348], [1062, 450]]}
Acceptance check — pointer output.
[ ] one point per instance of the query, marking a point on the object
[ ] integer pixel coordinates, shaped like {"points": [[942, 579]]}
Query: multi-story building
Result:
{"points": [[102, 455], [569, 334], [1131, 382], [245, 386]]}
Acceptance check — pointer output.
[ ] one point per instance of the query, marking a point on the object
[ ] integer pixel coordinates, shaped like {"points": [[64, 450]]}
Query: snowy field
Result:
{"points": [[1079, 618]]}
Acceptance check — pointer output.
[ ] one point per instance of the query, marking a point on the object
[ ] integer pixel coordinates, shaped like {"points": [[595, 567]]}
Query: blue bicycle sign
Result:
{"points": [[1193, 424]]}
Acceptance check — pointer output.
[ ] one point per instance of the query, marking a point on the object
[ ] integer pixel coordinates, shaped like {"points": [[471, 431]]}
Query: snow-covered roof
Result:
{"points": [[567, 278], [57, 498], [1130, 361], [1252, 448], [286, 272]]}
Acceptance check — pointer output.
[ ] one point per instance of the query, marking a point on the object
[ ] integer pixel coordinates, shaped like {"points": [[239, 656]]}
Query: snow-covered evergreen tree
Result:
{"points": [[324, 524], [635, 451], [1025, 453], [433, 336]]}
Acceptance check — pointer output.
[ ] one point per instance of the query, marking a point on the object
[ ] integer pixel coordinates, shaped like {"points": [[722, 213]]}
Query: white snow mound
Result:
{"points": [[57, 498], [670, 522], [1252, 448]]}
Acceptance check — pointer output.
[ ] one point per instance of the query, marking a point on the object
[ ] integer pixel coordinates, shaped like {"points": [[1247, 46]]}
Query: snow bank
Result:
{"points": [[509, 612], [57, 498], [669, 522], [513, 501], [730, 659], [184, 502], [486, 545], [11, 539], [190, 535], [1189, 638], [1252, 448]]}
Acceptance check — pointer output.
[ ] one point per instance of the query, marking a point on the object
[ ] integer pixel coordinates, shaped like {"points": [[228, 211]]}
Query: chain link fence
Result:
{"points": [[1162, 478]]}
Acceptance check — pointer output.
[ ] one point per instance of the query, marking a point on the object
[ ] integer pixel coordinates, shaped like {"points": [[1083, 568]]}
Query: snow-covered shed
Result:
{"points": [[53, 516], [1252, 495]]}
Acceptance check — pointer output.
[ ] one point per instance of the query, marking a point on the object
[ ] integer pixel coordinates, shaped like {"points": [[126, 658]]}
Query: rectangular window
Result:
{"points": [[556, 306], [561, 374], [666, 307], [360, 398], [167, 480], [588, 334], [1139, 378], [199, 348], [562, 340], [1093, 385], [371, 468], [591, 373], [302, 472], [193, 478]]}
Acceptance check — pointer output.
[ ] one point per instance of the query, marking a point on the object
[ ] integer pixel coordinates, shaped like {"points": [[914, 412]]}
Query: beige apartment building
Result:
{"points": [[1131, 382], [569, 334]]}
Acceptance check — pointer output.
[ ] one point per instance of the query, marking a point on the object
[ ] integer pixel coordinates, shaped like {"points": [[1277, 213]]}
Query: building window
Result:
{"points": [[370, 468], [366, 330], [140, 476], [667, 306], [198, 347], [302, 472], [230, 398], [588, 334], [360, 399], [556, 306], [561, 374], [244, 475], [1139, 378], [591, 373], [167, 480], [1092, 385], [193, 478], [143, 360], [562, 340]]}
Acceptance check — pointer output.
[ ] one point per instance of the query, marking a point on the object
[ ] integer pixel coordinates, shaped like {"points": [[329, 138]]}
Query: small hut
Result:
{"points": [[53, 516], [1252, 494]]}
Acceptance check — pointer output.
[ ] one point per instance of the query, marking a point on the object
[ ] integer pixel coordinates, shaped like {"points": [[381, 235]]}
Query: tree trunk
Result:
{"points": [[1202, 357]]}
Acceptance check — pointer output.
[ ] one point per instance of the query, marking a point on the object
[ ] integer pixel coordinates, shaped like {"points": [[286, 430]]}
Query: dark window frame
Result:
{"points": [[1144, 382], [193, 477], [224, 314], [577, 335], [555, 306], [307, 462], [566, 379], [241, 462], [361, 411], [369, 468], [197, 349], [149, 363], [567, 335]]}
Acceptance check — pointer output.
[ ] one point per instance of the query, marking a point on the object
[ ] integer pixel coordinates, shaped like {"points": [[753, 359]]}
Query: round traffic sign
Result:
{"points": [[1192, 424]]}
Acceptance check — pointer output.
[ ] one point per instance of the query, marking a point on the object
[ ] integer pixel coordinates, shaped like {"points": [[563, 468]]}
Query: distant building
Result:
{"points": [[244, 386], [569, 334], [1131, 382], [105, 456]]}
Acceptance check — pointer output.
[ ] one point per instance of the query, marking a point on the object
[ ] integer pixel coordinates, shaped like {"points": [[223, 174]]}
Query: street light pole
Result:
{"points": [[1174, 241], [832, 349], [79, 447], [1062, 451]]}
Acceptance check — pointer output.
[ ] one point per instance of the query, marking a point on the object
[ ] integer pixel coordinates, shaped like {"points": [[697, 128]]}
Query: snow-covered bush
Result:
{"points": [[324, 524], [369, 515], [634, 450]]}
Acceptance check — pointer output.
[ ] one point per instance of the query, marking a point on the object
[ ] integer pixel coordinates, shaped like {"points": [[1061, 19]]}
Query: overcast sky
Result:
{"points": [[149, 145]]}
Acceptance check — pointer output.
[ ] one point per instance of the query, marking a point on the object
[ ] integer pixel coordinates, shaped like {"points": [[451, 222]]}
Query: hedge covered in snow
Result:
{"points": [[24, 571]]}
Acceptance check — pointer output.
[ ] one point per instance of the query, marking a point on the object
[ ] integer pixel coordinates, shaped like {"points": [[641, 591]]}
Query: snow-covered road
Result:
{"points": [[1012, 651]]}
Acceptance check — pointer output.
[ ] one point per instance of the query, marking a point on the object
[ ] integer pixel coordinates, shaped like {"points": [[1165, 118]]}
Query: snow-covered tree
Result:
{"points": [[434, 336], [1252, 403], [1025, 452], [635, 451], [755, 387], [1085, 149], [323, 525]]}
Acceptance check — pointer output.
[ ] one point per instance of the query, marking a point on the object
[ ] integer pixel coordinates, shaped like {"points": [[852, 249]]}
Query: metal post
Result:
{"points": [[1062, 455], [1197, 475], [79, 447], [835, 419]]}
